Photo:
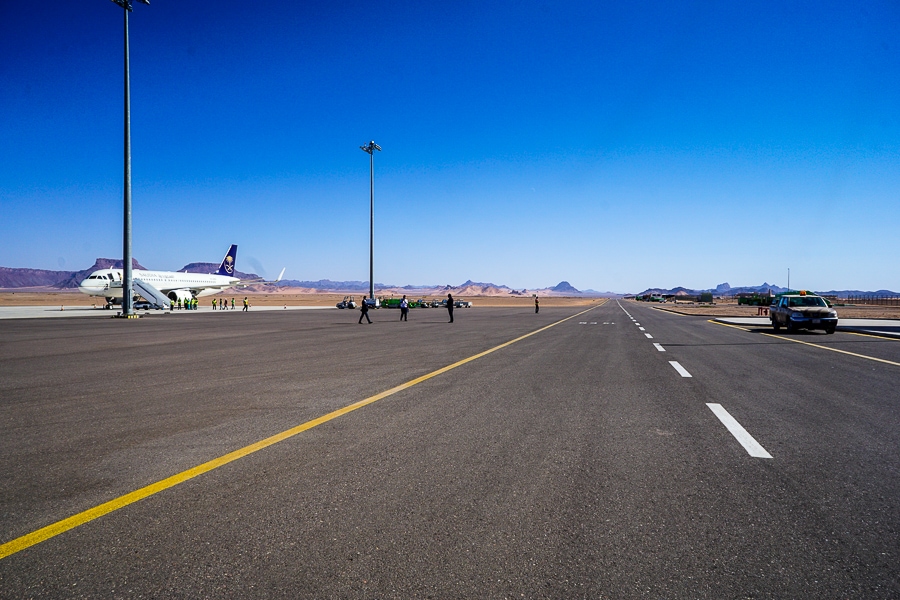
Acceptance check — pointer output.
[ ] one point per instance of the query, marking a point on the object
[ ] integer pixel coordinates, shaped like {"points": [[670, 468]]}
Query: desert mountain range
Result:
{"points": [[17, 278], [469, 288], [723, 289]]}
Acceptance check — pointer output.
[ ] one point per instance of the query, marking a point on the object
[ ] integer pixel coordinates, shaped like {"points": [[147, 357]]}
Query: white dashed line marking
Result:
{"points": [[659, 347], [681, 370], [649, 337], [642, 329], [746, 440]]}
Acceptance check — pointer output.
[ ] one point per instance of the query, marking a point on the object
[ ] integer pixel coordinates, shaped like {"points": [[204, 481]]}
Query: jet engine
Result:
{"points": [[183, 295]]}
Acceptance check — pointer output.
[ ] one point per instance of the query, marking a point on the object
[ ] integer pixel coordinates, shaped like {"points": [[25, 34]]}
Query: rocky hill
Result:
{"points": [[18, 278], [21, 278], [564, 287]]}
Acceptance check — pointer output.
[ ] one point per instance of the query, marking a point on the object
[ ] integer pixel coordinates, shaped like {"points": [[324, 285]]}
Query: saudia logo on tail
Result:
{"points": [[229, 264]]}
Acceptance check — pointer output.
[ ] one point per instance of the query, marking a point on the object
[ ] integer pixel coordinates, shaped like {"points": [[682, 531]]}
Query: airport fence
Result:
{"points": [[874, 300]]}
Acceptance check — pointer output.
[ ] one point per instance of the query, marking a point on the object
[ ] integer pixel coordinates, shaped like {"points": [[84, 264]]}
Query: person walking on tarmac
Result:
{"points": [[404, 309], [232, 304], [246, 305], [450, 306], [537, 305], [364, 311]]}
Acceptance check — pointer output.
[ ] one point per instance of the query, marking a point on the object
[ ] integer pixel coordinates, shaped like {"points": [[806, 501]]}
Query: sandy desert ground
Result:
{"points": [[75, 298], [720, 309]]}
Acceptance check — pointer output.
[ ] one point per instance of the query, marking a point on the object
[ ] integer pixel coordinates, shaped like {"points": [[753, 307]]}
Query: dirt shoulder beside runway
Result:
{"points": [[76, 298], [726, 309], [720, 309]]}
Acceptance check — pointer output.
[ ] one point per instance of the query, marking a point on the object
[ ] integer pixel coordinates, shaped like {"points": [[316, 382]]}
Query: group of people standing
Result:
{"points": [[186, 304], [223, 303], [404, 309]]}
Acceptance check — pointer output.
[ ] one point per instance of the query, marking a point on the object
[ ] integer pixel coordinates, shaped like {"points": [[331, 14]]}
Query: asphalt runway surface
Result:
{"points": [[575, 462]]}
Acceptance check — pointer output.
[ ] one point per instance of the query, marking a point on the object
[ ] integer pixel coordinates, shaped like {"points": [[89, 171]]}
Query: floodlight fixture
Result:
{"points": [[126, 4], [370, 147]]}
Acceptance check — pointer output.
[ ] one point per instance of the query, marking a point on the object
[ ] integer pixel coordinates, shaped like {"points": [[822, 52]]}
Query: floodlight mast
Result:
{"points": [[370, 148], [127, 277]]}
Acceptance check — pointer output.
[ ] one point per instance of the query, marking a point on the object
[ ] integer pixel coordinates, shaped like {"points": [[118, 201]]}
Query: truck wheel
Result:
{"points": [[776, 325], [829, 330]]}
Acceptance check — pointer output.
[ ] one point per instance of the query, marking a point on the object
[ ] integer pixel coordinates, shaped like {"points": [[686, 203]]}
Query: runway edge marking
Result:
{"points": [[45, 533], [787, 339], [881, 360]]}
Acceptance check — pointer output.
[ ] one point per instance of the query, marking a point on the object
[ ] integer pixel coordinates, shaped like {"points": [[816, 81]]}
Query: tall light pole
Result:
{"points": [[127, 286], [371, 147]]}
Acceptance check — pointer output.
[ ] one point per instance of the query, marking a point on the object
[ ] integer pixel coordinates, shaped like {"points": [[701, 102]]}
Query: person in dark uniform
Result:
{"points": [[537, 305], [404, 309], [450, 306], [364, 311]]}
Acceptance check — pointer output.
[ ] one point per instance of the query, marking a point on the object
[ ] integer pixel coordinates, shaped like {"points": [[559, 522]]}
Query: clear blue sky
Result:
{"points": [[616, 145]]}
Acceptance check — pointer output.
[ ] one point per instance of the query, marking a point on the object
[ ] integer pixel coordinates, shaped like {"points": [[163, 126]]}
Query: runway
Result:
{"points": [[617, 452]]}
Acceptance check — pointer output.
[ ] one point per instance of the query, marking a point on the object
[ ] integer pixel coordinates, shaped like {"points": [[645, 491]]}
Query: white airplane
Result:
{"points": [[165, 287]]}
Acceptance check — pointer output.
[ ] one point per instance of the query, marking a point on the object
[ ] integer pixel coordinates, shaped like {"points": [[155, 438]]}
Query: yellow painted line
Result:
{"points": [[872, 335], [881, 360], [781, 337], [45, 533], [666, 310], [726, 324]]}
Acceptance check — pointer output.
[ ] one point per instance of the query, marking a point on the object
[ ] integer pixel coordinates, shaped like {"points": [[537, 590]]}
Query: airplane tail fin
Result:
{"points": [[227, 266]]}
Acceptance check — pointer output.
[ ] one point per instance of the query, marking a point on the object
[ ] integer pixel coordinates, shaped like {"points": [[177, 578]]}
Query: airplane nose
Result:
{"points": [[89, 286]]}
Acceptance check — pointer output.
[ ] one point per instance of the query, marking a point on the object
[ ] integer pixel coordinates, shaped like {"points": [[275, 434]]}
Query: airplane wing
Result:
{"points": [[259, 281]]}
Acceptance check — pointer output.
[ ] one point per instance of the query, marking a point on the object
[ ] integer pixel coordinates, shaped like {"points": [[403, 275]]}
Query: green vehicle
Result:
{"points": [[390, 302], [754, 300]]}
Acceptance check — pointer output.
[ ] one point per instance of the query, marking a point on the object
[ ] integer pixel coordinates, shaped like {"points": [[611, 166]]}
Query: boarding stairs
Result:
{"points": [[151, 294]]}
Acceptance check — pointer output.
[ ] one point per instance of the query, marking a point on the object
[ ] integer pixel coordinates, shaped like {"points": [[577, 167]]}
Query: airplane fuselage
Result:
{"points": [[108, 282]]}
